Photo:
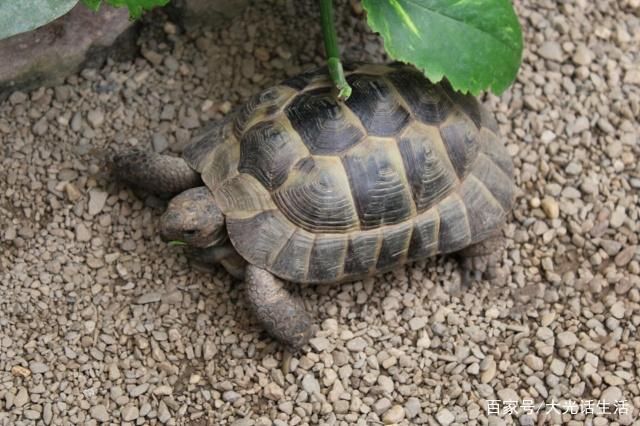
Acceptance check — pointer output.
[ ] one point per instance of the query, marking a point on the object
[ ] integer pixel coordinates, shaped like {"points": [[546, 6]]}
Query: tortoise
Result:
{"points": [[297, 186]]}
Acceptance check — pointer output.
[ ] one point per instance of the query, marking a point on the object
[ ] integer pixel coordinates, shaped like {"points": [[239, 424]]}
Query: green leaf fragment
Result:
{"points": [[136, 7], [92, 4], [176, 243], [475, 44]]}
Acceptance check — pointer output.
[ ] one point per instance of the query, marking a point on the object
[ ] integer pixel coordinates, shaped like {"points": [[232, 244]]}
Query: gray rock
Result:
{"points": [[32, 414], [76, 122], [97, 199], [381, 406], [41, 127], [138, 390], [83, 233], [533, 362], [618, 217], [160, 142], [357, 344], [617, 310], [38, 367], [163, 390], [95, 117], [47, 413], [129, 413], [579, 125], [612, 247], [412, 407], [99, 412], [163, 413], [319, 344], [566, 338], [168, 112], [552, 51], [151, 297], [445, 417], [286, 407], [273, 392], [52, 52], [582, 55], [417, 323], [508, 394], [231, 396], [557, 367], [611, 394], [310, 384], [386, 384], [21, 398]]}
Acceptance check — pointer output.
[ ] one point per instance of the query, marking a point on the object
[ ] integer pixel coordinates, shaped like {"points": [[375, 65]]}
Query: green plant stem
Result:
{"points": [[333, 52]]}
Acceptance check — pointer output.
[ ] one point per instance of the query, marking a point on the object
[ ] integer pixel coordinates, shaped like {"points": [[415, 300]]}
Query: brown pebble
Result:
{"points": [[625, 255]]}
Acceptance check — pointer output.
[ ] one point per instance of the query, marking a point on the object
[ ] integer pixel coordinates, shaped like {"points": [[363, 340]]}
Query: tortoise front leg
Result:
{"points": [[226, 255], [160, 174], [281, 315]]}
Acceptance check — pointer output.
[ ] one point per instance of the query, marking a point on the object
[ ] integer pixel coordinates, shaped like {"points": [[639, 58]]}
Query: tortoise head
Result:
{"points": [[193, 218]]}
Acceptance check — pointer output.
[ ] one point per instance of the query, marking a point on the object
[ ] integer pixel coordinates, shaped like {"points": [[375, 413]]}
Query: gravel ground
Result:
{"points": [[102, 322]]}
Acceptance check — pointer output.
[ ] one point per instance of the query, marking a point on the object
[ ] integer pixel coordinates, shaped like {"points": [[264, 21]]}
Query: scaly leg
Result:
{"points": [[160, 174], [281, 315]]}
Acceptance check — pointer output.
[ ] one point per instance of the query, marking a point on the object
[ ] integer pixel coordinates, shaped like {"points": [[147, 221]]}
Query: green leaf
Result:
{"points": [[136, 7], [175, 243], [475, 44], [92, 4], [18, 16]]}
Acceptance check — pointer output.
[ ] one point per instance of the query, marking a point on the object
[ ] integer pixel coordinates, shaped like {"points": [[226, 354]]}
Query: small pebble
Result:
{"points": [[99, 412], [445, 417], [394, 415], [550, 208]]}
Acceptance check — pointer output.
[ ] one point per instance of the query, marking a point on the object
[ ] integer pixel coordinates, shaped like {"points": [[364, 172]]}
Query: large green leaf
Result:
{"points": [[475, 44], [18, 16], [136, 7]]}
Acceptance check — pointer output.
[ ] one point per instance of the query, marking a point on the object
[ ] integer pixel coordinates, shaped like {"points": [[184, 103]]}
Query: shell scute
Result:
{"points": [[426, 100], [362, 253], [268, 151], [325, 125], [328, 254], [395, 246], [375, 105], [317, 198], [459, 135], [454, 231], [424, 238], [378, 183], [429, 170]]}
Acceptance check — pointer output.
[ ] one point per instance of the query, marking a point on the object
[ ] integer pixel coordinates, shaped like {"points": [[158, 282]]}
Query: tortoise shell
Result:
{"points": [[315, 190]]}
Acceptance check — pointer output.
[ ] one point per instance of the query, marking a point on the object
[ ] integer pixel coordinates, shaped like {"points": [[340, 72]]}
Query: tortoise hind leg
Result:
{"points": [[281, 315], [160, 174], [479, 260]]}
